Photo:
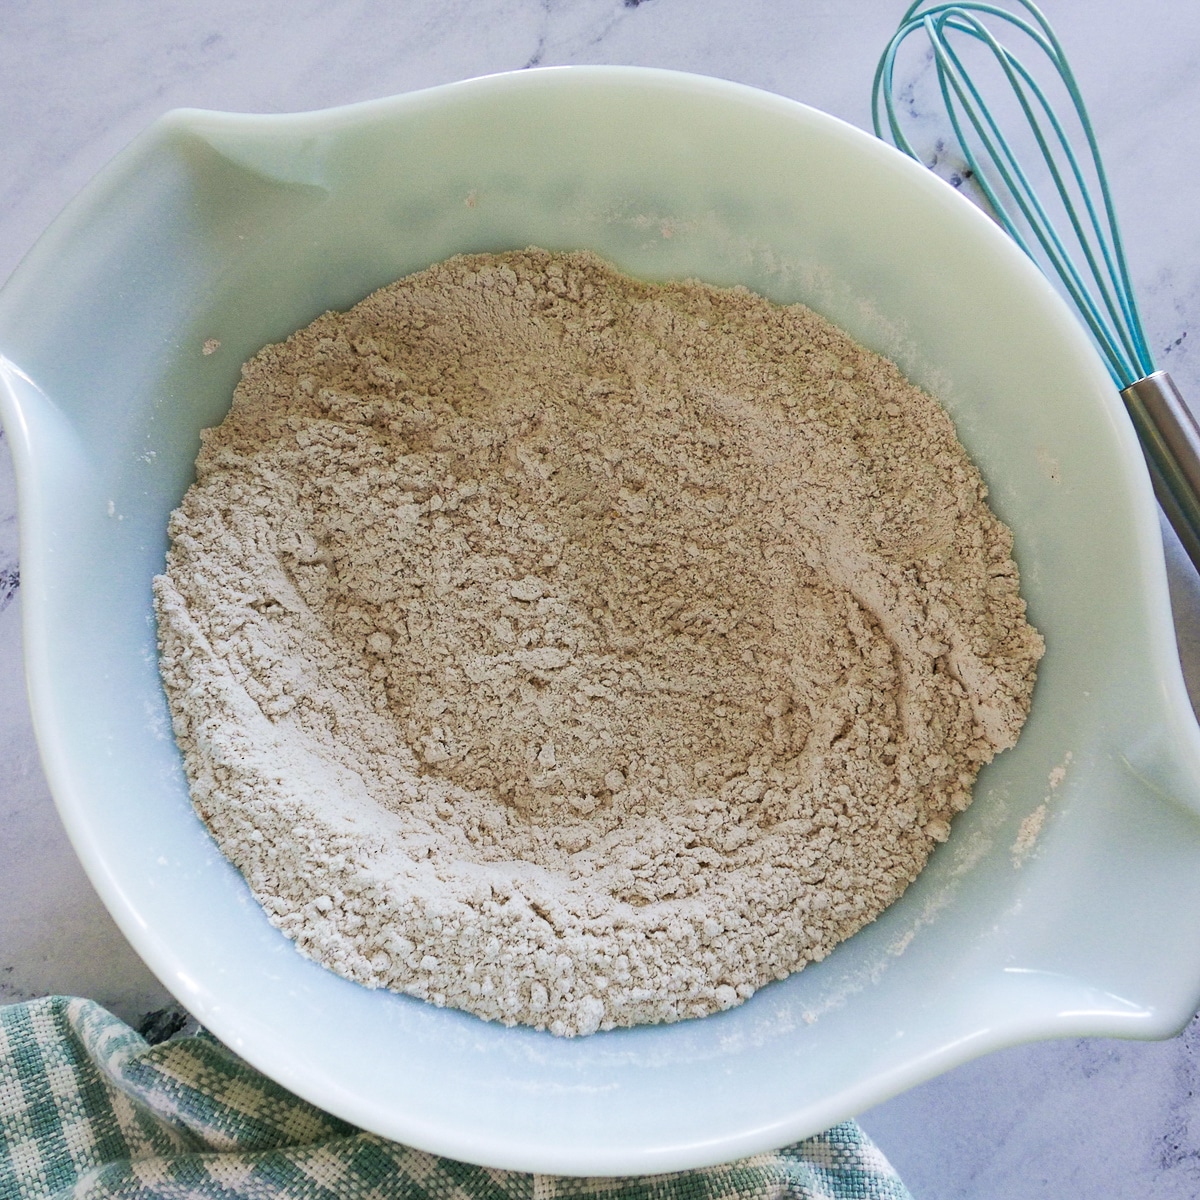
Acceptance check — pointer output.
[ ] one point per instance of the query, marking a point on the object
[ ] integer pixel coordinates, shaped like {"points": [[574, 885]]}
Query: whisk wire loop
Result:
{"points": [[953, 75], [1099, 285]]}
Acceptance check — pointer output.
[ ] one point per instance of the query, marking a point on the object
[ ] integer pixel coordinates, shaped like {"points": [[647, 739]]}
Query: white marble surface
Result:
{"points": [[1101, 1120]]}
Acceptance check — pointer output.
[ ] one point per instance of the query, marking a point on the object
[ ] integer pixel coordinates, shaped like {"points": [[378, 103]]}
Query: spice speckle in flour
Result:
{"points": [[583, 652]]}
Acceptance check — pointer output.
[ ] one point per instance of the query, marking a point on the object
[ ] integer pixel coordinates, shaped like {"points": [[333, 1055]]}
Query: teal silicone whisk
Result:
{"points": [[1070, 228]]}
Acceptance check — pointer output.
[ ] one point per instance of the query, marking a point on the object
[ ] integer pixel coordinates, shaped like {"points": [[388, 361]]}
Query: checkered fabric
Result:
{"points": [[89, 1109]]}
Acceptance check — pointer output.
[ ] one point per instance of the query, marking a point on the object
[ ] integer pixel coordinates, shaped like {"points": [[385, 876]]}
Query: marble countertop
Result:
{"points": [[1085, 1118]]}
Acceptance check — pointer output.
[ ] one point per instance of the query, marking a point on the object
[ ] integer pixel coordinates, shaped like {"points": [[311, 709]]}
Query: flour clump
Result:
{"points": [[579, 651]]}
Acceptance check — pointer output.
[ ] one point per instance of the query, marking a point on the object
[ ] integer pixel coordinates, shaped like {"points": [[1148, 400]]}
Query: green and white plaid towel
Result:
{"points": [[89, 1108]]}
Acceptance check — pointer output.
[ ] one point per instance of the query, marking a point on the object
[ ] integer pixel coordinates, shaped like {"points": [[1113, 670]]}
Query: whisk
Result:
{"points": [[1079, 243]]}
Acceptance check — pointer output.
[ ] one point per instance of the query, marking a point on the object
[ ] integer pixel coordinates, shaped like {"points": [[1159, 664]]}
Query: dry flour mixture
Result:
{"points": [[582, 652]]}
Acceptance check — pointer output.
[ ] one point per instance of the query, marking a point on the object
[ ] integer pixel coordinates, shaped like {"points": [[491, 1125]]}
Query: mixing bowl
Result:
{"points": [[1065, 902]]}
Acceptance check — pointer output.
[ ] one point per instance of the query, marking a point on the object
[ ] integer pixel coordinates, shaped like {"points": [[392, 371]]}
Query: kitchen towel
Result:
{"points": [[90, 1109]]}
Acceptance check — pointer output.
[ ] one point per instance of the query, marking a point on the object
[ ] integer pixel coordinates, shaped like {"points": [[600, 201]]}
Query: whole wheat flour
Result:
{"points": [[582, 652]]}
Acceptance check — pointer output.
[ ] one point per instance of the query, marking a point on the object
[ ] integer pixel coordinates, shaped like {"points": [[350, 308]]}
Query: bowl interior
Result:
{"points": [[122, 335]]}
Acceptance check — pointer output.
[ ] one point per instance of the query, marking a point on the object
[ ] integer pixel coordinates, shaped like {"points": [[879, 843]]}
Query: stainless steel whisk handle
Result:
{"points": [[1170, 436]]}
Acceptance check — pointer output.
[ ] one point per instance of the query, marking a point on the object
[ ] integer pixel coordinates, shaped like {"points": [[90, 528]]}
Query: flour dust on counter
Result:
{"points": [[579, 651]]}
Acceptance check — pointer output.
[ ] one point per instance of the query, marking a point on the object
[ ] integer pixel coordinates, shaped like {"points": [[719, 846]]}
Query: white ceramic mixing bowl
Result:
{"points": [[217, 228]]}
